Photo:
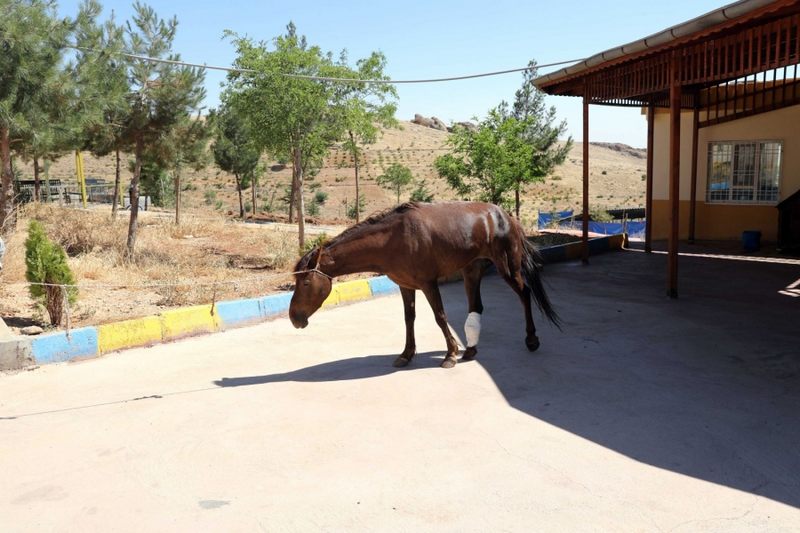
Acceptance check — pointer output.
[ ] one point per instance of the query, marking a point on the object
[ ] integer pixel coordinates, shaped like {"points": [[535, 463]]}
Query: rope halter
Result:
{"points": [[316, 267]]}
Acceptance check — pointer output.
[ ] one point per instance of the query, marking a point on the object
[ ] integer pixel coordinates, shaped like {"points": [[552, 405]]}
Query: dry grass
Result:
{"points": [[202, 260]]}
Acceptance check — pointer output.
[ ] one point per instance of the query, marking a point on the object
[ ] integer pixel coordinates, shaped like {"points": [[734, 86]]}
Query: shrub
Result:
{"points": [[310, 244], [312, 208], [210, 196], [320, 197], [351, 208], [46, 262], [421, 193]]}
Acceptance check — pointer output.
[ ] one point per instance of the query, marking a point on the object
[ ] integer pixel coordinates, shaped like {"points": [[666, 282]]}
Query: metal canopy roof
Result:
{"points": [[660, 40]]}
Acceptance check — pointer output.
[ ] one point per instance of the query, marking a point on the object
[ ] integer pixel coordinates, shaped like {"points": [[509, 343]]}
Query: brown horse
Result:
{"points": [[415, 244]]}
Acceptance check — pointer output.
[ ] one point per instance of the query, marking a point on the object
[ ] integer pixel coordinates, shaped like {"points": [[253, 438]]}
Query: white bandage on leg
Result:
{"points": [[472, 329]]}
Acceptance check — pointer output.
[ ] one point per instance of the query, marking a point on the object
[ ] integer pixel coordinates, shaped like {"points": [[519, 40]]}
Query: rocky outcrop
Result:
{"points": [[438, 124], [467, 126], [432, 122]]}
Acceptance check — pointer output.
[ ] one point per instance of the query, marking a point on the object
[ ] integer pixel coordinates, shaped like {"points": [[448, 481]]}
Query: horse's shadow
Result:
{"points": [[368, 366]]}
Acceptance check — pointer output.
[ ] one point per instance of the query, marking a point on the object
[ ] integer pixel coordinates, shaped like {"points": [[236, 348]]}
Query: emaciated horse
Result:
{"points": [[415, 244]]}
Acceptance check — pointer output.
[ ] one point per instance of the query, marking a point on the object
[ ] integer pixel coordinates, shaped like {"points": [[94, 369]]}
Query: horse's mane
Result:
{"points": [[357, 230], [375, 218]]}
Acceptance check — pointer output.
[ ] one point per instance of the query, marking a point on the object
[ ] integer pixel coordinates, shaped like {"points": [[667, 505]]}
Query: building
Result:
{"points": [[721, 96]]}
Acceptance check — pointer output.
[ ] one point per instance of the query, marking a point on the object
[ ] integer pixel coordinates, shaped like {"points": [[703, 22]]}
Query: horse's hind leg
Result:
{"points": [[435, 299], [511, 271], [472, 284], [410, 313]]}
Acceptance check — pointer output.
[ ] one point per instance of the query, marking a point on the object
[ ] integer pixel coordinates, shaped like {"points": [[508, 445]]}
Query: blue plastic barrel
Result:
{"points": [[751, 240]]}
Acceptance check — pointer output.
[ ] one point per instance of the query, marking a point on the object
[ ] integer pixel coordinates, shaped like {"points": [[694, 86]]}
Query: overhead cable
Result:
{"points": [[329, 78]]}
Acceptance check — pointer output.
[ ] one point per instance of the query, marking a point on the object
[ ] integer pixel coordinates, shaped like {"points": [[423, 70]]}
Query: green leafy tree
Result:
{"points": [[292, 117], [365, 107], [47, 269], [481, 161], [540, 131], [163, 96], [511, 147], [395, 178], [35, 86], [233, 148]]}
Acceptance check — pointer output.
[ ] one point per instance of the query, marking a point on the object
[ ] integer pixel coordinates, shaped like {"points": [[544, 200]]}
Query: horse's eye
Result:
{"points": [[306, 283]]}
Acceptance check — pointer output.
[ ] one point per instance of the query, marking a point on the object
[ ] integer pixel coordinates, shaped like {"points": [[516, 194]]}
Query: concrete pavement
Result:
{"points": [[638, 416]]}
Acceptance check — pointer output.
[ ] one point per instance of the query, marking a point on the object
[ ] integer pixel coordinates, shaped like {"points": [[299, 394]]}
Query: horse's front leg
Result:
{"points": [[410, 314], [472, 327], [435, 299]]}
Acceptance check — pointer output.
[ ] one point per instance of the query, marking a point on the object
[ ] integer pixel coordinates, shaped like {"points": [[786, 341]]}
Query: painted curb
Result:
{"points": [[170, 325], [235, 313], [187, 321], [15, 353], [129, 334], [58, 347], [275, 304]]}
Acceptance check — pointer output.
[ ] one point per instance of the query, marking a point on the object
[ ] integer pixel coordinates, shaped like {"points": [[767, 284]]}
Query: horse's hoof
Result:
{"points": [[400, 362], [449, 361], [470, 353], [532, 343]]}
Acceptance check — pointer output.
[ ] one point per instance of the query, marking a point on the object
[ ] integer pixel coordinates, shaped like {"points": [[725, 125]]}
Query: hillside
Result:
{"points": [[616, 177]]}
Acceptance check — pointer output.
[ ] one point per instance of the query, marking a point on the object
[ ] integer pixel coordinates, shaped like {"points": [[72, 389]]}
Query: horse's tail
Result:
{"points": [[531, 266]]}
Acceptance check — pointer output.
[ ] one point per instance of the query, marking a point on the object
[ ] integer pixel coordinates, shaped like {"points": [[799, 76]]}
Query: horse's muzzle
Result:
{"points": [[299, 322]]}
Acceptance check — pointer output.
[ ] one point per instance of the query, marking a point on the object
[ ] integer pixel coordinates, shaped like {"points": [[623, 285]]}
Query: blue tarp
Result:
{"points": [[632, 228], [546, 219]]}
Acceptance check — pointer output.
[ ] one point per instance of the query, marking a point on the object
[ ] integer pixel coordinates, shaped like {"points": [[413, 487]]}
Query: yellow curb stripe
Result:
{"points": [[129, 334], [189, 321], [333, 297], [351, 291]]}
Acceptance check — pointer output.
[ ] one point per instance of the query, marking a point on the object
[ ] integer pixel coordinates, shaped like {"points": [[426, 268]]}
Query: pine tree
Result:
{"points": [[163, 96], [47, 269], [36, 91]]}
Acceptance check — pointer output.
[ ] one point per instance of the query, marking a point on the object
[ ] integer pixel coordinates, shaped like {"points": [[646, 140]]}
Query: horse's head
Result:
{"points": [[311, 288]]}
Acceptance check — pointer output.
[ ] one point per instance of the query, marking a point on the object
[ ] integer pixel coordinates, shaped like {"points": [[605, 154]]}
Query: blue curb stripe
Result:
{"points": [[382, 285], [57, 347], [275, 304], [237, 312]]}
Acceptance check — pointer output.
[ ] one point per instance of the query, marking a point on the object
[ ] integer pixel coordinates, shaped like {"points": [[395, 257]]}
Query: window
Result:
{"points": [[744, 172]]}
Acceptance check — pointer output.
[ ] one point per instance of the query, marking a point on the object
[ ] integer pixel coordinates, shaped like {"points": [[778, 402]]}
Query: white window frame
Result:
{"points": [[757, 166]]}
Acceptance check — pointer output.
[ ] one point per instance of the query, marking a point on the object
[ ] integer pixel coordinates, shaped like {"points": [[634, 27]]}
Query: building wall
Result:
{"points": [[722, 221]]}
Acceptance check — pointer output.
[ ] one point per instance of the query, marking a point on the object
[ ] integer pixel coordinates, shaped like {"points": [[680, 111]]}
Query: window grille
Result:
{"points": [[744, 172]]}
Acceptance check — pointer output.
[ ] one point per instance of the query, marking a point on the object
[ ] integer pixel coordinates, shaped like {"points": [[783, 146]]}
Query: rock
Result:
{"points": [[31, 330], [422, 121], [467, 126], [438, 124]]}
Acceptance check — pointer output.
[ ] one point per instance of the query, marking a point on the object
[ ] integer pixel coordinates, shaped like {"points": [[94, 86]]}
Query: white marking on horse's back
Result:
{"points": [[501, 222]]}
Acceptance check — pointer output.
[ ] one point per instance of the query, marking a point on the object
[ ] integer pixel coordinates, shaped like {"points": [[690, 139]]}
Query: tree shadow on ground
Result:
{"points": [[369, 366]]}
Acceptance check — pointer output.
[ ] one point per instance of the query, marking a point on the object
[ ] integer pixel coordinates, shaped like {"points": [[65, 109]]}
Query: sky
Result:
{"points": [[436, 38]]}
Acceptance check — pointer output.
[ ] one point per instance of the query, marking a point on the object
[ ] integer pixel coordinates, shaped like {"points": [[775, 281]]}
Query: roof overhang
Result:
{"points": [[701, 27]]}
